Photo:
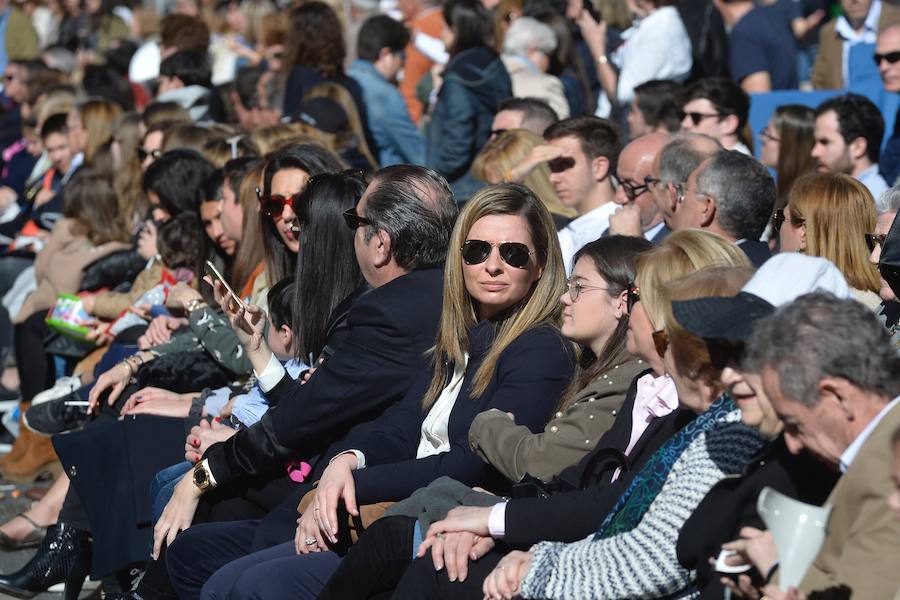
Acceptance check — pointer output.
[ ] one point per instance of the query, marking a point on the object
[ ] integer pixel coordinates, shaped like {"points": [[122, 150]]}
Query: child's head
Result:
{"points": [[55, 137], [91, 202], [281, 335], [178, 243]]}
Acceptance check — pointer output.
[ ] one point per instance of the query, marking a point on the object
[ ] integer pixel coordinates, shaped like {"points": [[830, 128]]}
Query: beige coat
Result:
{"points": [[862, 547], [109, 305], [59, 266], [514, 450]]}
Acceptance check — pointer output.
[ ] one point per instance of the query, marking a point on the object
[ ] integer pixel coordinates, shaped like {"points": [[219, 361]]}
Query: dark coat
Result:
{"points": [[390, 330], [475, 82], [528, 380], [570, 516], [731, 504], [758, 252]]}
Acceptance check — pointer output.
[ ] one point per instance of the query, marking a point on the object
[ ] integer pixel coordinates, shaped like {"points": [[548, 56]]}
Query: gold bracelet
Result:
{"points": [[602, 59]]}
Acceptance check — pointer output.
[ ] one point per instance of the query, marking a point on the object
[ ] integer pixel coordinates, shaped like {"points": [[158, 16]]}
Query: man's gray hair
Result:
{"points": [[744, 192], [525, 33], [681, 156], [888, 201], [818, 336]]}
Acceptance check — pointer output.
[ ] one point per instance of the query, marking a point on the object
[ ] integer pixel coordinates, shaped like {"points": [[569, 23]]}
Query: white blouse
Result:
{"points": [[435, 428]]}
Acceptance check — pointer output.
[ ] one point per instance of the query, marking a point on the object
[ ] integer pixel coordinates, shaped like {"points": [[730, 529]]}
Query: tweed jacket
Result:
{"points": [[860, 553], [514, 450]]}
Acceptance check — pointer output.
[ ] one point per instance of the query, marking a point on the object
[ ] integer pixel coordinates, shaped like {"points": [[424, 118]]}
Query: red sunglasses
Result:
{"points": [[273, 205]]}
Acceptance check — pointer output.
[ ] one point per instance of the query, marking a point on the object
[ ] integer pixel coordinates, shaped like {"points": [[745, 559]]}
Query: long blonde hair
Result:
{"points": [[501, 154], [541, 306], [680, 253], [98, 116], [837, 211]]}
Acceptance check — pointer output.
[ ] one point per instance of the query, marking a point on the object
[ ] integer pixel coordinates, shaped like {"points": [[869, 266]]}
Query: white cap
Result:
{"points": [[789, 275]]}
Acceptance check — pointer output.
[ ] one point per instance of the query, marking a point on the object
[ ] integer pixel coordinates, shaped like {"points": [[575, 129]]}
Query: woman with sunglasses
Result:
{"points": [[564, 516], [829, 215], [498, 346], [285, 176]]}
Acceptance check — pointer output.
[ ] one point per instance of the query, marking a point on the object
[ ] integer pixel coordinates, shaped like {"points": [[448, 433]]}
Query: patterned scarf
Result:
{"points": [[633, 504]]}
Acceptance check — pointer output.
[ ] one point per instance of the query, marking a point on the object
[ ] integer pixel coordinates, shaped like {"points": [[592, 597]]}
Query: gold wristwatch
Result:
{"points": [[203, 478]]}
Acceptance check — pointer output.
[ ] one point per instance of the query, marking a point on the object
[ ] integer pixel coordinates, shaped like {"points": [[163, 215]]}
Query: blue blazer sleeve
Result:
{"points": [[530, 377]]}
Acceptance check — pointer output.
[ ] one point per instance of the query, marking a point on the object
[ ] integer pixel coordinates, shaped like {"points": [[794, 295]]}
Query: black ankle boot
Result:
{"points": [[64, 555]]}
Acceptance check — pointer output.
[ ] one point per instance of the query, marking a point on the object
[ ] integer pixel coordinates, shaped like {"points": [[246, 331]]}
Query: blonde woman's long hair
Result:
{"points": [[540, 306], [837, 211], [98, 116], [501, 154], [680, 253]]}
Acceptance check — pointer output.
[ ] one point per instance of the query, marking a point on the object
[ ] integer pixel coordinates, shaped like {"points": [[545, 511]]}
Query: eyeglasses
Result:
{"points": [[891, 57], [723, 353], [765, 133], [273, 205], [681, 191], [560, 164], [353, 220], [875, 239], [777, 219], [143, 154], [515, 254], [575, 289], [9, 77], [651, 181], [632, 297], [661, 342], [496, 132], [697, 117], [632, 191]]}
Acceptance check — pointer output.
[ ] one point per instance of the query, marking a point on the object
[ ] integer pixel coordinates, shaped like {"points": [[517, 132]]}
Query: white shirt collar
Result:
{"points": [[589, 219], [853, 449], [651, 233]]}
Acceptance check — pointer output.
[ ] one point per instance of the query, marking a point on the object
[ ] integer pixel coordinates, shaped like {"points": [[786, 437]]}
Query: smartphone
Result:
{"points": [[214, 272]]}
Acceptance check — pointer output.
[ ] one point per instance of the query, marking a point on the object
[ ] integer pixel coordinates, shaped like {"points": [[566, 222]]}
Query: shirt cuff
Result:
{"points": [[360, 458], [497, 521], [271, 375]]}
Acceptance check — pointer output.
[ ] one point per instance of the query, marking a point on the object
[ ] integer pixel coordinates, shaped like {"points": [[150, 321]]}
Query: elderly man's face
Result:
{"points": [[888, 49], [631, 171], [818, 430]]}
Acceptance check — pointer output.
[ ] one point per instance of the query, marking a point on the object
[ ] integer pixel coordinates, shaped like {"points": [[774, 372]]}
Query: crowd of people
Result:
{"points": [[460, 299]]}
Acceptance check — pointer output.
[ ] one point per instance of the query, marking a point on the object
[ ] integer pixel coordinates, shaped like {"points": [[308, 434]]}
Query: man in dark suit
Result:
{"points": [[639, 214], [730, 194], [833, 378], [403, 224]]}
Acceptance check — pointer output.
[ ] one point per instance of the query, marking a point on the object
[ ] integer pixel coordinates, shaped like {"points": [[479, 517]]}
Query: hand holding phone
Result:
{"points": [[214, 274]]}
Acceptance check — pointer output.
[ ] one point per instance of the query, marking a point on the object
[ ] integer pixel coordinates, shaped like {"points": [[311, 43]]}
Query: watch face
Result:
{"points": [[200, 477]]}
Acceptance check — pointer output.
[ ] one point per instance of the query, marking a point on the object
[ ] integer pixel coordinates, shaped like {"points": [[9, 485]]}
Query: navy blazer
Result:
{"points": [[758, 252], [390, 330], [529, 378]]}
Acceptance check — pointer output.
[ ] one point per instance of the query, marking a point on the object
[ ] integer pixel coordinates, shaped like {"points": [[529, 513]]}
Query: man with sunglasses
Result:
{"points": [[887, 59], [888, 207], [582, 166], [638, 214], [719, 108]]}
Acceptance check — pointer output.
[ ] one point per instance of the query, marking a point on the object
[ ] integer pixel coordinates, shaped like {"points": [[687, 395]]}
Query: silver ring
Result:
{"points": [[316, 509], [310, 541], [501, 567], [440, 535]]}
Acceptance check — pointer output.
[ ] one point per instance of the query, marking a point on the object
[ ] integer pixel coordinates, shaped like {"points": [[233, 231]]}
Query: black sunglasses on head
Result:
{"points": [[515, 254], [777, 219], [891, 57]]}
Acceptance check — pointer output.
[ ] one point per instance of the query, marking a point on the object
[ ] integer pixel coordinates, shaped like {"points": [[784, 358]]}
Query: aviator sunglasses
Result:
{"points": [[891, 57], [515, 254]]}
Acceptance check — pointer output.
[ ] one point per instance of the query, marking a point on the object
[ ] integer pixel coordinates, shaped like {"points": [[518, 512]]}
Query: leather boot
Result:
{"points": [[39, 461], [64, 555], [20, 447]]}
